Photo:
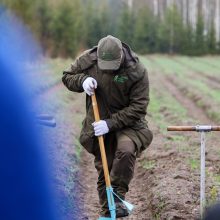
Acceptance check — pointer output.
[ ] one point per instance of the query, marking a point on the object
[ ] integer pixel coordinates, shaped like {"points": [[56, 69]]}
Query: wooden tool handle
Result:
{"points": [[101, 142], [215, 128], [194, 128], [181, 128]]}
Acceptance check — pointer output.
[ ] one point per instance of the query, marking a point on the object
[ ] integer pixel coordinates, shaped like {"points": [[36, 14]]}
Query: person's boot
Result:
{"points": [[104, 207], [121, 210], [104, 213]]}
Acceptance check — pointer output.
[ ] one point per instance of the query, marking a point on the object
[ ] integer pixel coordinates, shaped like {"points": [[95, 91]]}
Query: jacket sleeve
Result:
{"points": [[74, 77], [137, 109]]}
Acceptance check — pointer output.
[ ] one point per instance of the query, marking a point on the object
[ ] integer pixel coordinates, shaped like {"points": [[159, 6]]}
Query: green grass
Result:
{"points": [[78, 149], [169, 66], [185, 70], [179, 138], [201, 86], [199, 65], [193, 163], [154, 109], [217, 178], [148, 165], [160, 206], [212, 196], [184, 73], [165, 109]]}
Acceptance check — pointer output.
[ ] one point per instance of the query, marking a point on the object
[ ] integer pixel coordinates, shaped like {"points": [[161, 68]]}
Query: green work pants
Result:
{"points": [[120, 153]]}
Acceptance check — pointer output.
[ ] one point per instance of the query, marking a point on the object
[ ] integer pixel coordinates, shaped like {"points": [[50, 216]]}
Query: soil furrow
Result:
{"points": [[193, 110], [208, 106], [164, 185], [213, 81], [137, 193], [167, 188]]}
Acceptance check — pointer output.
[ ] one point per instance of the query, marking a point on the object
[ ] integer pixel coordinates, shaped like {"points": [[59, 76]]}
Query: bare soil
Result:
{"points": [[164, 186]]}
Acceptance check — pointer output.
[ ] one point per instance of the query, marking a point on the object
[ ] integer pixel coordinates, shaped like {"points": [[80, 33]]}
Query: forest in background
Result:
{"points": [[65, 27]]}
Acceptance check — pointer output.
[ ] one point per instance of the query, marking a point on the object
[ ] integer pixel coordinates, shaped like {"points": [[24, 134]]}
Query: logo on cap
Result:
{"points": [[106, 55]]}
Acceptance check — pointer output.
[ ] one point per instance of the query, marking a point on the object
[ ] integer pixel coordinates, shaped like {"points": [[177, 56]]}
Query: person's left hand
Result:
{"points": [[100, 127]]}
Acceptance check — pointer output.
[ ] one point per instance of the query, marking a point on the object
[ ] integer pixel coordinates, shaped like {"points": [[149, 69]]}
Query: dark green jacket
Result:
{"points": [[122, 96]]}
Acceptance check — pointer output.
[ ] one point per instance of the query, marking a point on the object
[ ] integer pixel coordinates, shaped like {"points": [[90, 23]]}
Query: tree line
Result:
{"points": [[66, 27]]}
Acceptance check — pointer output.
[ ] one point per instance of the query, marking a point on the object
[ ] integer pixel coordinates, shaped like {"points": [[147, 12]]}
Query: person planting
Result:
{"points": [[120, 82]]}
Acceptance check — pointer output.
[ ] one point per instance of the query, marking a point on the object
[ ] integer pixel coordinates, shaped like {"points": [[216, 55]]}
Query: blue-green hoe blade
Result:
{"points": [[111, 204], [128, 205], [104, 218]]}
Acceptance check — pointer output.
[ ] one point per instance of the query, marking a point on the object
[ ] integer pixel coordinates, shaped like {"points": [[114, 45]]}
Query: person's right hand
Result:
{"points": [[89, 85]]}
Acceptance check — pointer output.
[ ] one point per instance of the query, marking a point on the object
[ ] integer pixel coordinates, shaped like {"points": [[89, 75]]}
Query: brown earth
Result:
{"points": [[164, 185]]}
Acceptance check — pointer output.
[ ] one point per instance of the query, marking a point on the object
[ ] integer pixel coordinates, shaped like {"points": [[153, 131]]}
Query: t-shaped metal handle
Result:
{"points": [[202, 129]]}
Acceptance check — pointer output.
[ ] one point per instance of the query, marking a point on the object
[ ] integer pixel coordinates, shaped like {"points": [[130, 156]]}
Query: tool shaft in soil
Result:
{"points": [[101, 143], [202, 176], [202, 129]]}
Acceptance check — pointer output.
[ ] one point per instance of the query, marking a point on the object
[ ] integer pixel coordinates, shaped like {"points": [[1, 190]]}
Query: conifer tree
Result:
{"points": [[199, 41], [126, 25], [211, 39], [145, 34], [65, 27]]}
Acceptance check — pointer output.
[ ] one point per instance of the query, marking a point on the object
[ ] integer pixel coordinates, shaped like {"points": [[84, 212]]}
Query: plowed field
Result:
{"points": [[183, 91]]}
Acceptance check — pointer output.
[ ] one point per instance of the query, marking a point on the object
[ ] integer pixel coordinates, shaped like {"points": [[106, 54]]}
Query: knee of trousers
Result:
{"points": [[126, 156], [123, 167]]}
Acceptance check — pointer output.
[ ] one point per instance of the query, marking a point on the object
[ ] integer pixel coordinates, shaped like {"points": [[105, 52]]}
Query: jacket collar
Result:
{"points": [[130, 58]]}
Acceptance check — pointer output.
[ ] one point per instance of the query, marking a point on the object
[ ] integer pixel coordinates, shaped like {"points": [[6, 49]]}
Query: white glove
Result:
{"points": [[89, 85], [100, 127]]}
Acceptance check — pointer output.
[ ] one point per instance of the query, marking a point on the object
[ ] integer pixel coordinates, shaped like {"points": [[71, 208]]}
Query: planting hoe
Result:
{"points": [[109, 189], [202, 129]]}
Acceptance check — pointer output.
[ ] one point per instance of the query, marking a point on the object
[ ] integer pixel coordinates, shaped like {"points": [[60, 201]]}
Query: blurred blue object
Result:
{"points": [[25, 190], [213, 212]]}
